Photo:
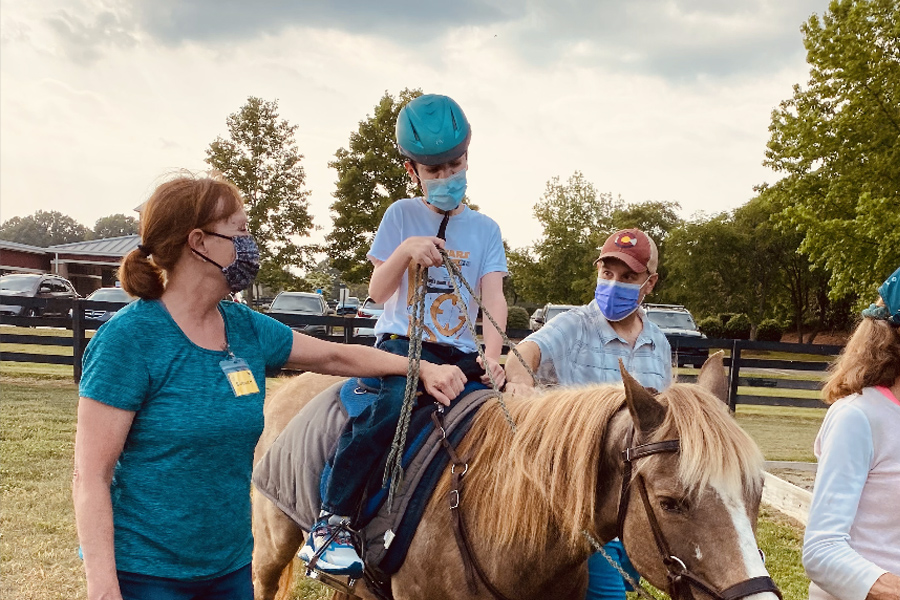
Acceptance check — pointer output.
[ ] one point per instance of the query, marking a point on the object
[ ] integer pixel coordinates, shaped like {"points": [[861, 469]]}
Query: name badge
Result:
{"points": [[239, 376]]}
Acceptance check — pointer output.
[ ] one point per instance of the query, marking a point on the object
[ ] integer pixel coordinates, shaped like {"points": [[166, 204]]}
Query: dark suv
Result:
{"points": [[678, 324], [302, 303], [35, 285]]}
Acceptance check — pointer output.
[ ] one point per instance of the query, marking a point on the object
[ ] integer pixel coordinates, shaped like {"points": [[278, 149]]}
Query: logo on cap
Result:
{"points": [[626, 240]]}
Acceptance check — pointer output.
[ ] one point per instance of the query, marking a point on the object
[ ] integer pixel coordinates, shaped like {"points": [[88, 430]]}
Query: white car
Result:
{"points": [[368, 310], [549, 311]]}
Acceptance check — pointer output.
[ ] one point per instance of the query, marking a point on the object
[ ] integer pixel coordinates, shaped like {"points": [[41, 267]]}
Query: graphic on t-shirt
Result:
{"points": [[444, 312]]}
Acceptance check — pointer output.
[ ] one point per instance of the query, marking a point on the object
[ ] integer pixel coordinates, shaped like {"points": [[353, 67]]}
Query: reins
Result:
{"points": [[393, 472]]}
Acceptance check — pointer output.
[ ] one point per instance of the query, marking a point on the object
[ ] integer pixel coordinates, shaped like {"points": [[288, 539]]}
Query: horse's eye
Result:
{"points": [[673, 505]]}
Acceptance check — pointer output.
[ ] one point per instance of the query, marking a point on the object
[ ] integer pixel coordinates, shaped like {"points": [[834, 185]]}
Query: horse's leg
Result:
{"points": [[276, 541]]}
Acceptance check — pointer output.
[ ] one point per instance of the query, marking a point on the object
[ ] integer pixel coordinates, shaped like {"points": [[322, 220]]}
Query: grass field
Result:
{"points": [[38, 548]]}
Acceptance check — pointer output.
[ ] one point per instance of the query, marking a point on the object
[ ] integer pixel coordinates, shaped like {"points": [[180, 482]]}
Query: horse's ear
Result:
{"points": [[712, 377], [646, 412]]}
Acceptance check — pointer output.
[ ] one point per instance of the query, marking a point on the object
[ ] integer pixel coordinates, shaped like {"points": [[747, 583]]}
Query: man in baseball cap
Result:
{"points": [[584, 345]]}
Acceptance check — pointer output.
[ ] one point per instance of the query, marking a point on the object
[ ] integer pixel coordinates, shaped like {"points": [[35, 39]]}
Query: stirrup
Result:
{"points": [[335, 582]]}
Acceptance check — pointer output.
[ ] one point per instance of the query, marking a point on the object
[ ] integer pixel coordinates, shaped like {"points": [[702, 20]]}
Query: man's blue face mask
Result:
{"points": [[617, 300], [890, 294], [445, 194]]}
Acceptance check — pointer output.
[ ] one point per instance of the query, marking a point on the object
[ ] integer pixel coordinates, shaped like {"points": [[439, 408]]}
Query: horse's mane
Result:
{"points": [[542, 481]]}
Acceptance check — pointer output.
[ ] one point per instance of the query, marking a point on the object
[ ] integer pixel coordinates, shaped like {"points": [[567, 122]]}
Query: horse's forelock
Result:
{"points": [[715, 451]]}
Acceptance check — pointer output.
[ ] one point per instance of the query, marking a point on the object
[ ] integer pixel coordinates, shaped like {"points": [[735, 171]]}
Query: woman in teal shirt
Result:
{"points": [[172, 404]]}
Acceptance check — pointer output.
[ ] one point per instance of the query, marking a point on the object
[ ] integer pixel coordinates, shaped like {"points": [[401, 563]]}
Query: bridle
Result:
{"points": [[682, 581]]}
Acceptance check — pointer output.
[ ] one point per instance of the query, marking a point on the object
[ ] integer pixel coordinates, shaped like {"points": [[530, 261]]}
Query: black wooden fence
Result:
{"points": [[750, 371]]}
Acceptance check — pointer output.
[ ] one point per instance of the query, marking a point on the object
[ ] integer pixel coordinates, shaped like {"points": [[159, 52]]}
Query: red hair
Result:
{"points": [[176, 208]]}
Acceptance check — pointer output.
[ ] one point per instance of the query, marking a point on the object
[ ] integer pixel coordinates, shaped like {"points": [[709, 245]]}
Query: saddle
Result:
{"points": [[293, 472]]}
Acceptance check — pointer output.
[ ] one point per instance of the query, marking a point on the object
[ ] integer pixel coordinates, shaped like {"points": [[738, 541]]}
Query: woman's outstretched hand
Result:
{"points": [[444, 382]]}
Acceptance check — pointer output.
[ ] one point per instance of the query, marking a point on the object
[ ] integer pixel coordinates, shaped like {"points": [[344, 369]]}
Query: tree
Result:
{"points": [[371, 176], [115, 226], [837, 142], [261, 158], [44, 228], [559, 267]]}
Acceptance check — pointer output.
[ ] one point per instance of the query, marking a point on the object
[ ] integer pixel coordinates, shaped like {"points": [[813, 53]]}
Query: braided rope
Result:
{"points": [[455, 274], [636, 585], [393, 472]]}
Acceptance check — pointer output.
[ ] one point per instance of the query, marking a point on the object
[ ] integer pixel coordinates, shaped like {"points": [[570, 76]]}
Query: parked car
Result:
{"points": [[108, 294], [534, 323], [302, 303], [550, 311], [350, 306], [369, 310], [35, 285], [677, 322]]}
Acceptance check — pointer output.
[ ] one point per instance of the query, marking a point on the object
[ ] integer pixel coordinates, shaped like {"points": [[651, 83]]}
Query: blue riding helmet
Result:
{"points": [[890, 294], [432, 130]]}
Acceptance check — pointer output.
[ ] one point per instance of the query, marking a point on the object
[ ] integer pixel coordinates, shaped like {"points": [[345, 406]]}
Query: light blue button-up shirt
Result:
{"points": [[580, 347]]}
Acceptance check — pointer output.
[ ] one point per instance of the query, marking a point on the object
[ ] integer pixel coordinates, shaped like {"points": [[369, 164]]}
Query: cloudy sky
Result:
{"points": [[650, 99]]}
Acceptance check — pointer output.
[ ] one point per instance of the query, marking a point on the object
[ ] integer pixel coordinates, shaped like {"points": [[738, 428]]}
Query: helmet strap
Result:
{"points": [[442, 230]]}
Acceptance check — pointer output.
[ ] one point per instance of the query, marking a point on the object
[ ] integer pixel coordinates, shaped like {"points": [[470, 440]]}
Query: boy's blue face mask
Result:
{"points": [[890, 294], [617, 300], [445, 194]]}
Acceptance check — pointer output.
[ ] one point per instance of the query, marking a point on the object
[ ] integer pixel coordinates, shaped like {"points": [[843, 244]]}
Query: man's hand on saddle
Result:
{"points": [[443, 382], [496, 370], [423, 250]]}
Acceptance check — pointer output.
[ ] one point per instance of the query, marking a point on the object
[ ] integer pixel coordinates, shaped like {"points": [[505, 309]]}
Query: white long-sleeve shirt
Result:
{"points": [[853, 533]]}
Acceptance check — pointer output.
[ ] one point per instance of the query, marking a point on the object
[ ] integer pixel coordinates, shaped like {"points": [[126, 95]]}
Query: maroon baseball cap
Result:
{"points": [[633, 247]]}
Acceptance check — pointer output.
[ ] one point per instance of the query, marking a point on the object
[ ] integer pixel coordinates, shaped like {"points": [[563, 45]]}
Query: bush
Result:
{"points": [[712, 327], [738, 327], [769, 330], [724, 318], [518, 318]]}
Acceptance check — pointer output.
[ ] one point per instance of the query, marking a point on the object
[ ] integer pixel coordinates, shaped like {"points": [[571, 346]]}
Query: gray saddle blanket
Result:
{"points": [[290, 474]]}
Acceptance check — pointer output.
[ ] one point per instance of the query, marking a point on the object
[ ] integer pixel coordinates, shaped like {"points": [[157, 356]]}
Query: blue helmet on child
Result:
{"points": [[432, 130]]}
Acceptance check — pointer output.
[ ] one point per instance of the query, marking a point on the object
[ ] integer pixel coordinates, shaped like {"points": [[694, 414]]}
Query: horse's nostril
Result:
{"points": [[762, 555]]}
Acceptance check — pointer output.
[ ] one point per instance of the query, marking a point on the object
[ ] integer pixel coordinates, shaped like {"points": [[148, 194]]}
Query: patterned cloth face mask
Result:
{"points": [[445, 194], [243, 269], [617, 300]]}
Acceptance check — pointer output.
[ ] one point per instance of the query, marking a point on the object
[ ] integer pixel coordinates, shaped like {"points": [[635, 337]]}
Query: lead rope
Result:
{"points": [[393, 471]]}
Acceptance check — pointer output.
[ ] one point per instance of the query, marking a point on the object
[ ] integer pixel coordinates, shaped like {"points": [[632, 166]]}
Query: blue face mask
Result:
{"points": [[445, 194], [617, 300]]}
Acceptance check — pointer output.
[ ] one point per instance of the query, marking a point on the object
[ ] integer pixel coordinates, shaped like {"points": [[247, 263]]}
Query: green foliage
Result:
{"points": [[517, 318], [371, 176], [44, 228], [261, 158], [317, 280], [115, 225], [738, 327], [559, 267], [769, 330], [837, 143], [712, 327]]}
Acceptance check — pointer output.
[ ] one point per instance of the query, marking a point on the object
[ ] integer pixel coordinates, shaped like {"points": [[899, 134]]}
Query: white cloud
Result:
{"points": [[651, 100]]}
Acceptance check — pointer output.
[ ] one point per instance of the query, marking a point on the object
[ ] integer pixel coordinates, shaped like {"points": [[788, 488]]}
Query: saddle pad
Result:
{"points": [[291, 471]]}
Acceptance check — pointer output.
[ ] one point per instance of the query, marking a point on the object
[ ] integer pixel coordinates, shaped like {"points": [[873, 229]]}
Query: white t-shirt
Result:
{"points": [[473, 243], [853, 533]]}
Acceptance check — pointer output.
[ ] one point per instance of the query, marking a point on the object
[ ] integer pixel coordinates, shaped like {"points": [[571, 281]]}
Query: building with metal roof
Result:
{"points": [[89, 265]]}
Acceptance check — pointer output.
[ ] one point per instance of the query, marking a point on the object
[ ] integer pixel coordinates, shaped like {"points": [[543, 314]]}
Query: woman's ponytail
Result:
{"points": [[140, 276]]}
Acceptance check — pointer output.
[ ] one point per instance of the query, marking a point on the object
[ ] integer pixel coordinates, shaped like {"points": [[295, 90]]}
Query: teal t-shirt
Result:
{"points": [[181, 487]]}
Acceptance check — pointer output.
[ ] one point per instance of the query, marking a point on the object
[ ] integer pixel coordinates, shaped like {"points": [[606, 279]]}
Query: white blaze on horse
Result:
{"points": [[687, 517]]}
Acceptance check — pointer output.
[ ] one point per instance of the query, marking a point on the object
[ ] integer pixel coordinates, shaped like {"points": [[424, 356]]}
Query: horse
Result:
{"points": [[684, 501]]}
